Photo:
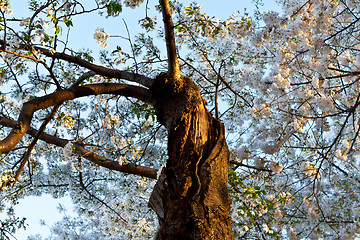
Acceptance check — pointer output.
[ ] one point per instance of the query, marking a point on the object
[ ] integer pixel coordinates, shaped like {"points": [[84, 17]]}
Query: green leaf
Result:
{"points": [[114, 8], [58, 30], [118, 49], [68, 22]]}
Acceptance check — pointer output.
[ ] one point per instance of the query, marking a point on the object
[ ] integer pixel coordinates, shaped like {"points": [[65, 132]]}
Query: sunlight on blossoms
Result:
{"points": [[309, 169], [4, 7], [111, 121], [6, 178], [101, 37], [276, 167]]}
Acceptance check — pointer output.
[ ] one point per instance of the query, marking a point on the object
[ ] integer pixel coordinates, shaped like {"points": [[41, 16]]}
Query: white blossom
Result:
{"points": [[49, 10], [267, 229], [244, 153], [101, 37], [121, 159], [341, 154], [111, 121], [278, 214], [142, 182], [133, 3], [118, 143], [309, 169], [276, 167], [313, 214], [5, 8], [68, 151], [292, 234], [270, 147], [25, 22]]}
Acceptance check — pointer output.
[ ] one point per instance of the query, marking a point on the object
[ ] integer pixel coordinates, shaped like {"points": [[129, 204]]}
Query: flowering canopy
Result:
{"points": [[285, 84]]}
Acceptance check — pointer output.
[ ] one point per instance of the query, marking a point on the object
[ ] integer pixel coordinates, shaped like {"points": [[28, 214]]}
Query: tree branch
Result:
{"points": [[24, 159], [89, 155], [27, 154], [248, 166], [103, 71], [173, 63], [217, 91], [28, 109]]}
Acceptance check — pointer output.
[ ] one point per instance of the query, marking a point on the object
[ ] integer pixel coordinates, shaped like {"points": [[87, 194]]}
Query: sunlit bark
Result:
{"points": [[191, 197]]}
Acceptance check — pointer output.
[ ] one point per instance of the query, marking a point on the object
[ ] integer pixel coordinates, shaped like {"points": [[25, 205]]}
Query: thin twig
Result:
{"points": [[217, 91]]}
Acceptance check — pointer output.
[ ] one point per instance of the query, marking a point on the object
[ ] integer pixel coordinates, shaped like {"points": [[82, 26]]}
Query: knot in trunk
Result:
{"points": [[173, 97]]}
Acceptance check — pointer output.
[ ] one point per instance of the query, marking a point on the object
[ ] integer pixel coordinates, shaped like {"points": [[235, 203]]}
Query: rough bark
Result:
{"points": [[191, 197]]}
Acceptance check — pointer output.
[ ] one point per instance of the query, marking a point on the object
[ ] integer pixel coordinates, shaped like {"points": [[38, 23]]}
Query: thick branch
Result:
{"points": [[26, 156], [91, 156], [103, 71], [173, 63], [28, 109]]}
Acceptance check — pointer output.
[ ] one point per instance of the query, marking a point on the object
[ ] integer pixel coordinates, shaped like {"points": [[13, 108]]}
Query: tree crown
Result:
{"points": [[85, 123]]}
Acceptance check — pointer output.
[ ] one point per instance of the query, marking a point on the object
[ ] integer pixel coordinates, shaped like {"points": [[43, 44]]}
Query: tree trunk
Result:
{"points": [[191, 196]]}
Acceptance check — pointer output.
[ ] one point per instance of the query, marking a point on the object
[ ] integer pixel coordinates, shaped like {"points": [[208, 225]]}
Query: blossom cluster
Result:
{"points": [[133, 3], [101, 37], [5, 7], [5, 179], [197, 23]]}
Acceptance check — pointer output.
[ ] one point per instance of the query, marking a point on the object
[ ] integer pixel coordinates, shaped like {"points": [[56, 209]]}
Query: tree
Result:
{"points": [[285, 85]]}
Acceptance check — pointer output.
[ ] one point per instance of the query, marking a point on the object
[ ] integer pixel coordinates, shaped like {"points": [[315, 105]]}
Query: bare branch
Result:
{"points": [[248, 166], [343, 29], [217, 91], [83, 78], [103, 71]]}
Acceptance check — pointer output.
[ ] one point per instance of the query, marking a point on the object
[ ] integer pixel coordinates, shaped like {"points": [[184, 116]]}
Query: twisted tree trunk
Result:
{"points": [[191, 197]]}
